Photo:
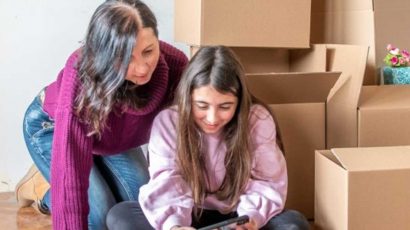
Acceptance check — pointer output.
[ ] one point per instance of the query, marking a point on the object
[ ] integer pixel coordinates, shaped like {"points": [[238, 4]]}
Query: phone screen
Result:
{"points": [[227, 224]]}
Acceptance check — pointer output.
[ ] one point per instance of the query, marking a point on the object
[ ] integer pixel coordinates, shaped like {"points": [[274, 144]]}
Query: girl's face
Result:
{"points": [[212, 110], [144, 57]]}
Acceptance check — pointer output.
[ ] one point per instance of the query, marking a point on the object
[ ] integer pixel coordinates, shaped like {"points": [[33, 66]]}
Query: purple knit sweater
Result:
{"points": [[72, 150]]}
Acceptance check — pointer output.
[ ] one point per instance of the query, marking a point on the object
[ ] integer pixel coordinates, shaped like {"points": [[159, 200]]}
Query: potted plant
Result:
{"points": [[397, 69]]}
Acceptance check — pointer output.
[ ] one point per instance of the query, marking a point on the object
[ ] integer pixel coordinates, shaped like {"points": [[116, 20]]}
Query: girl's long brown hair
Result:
{"points": [[104, 61], [219, 67]]}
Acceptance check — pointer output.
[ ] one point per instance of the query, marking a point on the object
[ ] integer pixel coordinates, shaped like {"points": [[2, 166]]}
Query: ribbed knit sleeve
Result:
{"points": [[71, 160]]}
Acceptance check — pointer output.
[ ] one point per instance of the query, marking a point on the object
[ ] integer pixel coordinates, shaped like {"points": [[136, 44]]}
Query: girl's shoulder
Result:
{"points": [[260, 112], [170, 115]]}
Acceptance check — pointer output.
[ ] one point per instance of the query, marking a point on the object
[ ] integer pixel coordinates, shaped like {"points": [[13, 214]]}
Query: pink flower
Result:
{"points": [[390, 47], [394, 60], [396, 57], [395, 51], [405, 53], [402, 61]]}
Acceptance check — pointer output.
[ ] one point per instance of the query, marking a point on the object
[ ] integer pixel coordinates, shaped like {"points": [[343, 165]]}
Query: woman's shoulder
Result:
{"points": [[73, 59]]}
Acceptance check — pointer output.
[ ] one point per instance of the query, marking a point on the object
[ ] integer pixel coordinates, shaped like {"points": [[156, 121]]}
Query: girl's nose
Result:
{"points": [[211, 117]]}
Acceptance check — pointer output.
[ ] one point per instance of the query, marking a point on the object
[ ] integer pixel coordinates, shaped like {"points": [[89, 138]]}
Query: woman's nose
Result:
{"points": [[140, 68]]}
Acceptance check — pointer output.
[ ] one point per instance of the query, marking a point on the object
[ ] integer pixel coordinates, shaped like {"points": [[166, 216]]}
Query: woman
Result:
{"points": [[83, 130], [214, 156]]}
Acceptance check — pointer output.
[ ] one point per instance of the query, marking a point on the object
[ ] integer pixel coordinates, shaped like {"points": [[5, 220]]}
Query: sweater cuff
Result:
{"points": [[174, 220], [257, 217]]}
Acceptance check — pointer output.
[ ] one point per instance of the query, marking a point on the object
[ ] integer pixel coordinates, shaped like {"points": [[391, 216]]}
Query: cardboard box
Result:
{"points": [[262, 23], [362, 188], [374, 23], [384, 116]]}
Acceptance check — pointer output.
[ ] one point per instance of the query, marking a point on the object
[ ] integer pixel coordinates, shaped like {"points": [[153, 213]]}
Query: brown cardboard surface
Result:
{"points": [[354, 5], [384, 116], [365, 22], [298, 103], [187, 19], [262, 23], [262, 60], [266, 60], [385, 97], [341, 123], [330, 183], [365, 159], [274, 88], [302, 130], [355, 188]]}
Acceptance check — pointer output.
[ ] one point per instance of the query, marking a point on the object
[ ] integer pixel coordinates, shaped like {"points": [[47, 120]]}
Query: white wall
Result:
{"points": [[36, 37]]}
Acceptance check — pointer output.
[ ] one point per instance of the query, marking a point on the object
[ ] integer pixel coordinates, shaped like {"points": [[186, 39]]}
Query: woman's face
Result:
{"points": [[212, 110], [144, 57]]}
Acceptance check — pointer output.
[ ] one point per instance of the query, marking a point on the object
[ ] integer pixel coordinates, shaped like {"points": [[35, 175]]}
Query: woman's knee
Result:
{"points": [[126, 173]]}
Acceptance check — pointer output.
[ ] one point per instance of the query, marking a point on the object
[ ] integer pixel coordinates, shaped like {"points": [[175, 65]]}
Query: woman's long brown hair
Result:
{"points": [[104, 61]]}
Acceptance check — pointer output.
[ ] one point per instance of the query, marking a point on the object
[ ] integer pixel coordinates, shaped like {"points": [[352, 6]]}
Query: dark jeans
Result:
{"points": [[128, 215], [113, 178]]}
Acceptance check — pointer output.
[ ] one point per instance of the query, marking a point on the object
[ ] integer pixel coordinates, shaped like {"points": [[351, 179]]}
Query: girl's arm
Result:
{"points": [[166, 200], [265, 194]]}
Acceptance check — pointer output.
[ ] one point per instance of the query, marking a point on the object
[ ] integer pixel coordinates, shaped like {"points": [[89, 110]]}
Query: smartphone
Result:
{"points": [[227, 224]]}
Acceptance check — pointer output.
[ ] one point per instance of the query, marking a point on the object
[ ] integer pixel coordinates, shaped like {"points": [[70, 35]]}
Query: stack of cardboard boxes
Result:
{"points": [[314, 90]]}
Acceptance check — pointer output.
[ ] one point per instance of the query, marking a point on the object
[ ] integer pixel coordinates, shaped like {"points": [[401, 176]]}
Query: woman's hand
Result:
{"points": [[251, 225], [182, 228]]}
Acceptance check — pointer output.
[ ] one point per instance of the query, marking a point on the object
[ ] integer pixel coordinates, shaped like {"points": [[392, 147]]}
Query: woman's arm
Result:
{"points": [[166, 200], [71, 159]]}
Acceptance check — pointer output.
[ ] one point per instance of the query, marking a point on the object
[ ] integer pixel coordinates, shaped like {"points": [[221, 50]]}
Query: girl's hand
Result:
{"points": [[251, 225], [182, 228]]}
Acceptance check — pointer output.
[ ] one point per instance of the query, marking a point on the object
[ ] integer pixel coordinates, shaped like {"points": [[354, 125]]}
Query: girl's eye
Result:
{"points": [[202, 107], [225, 107]]}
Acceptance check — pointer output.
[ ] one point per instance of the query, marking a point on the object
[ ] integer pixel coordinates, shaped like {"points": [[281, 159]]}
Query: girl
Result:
{"points": [[212, 157], [84, 128]]}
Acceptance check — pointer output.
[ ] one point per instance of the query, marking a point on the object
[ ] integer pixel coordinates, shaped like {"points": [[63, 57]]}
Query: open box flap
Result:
{"points": [[385, 97], [280, 88], [342, 103], [355, 5], [374, 158]]}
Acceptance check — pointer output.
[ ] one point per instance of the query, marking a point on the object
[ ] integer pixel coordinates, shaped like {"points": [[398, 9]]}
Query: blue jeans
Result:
{"points": [[113, 178], [129, 215]]}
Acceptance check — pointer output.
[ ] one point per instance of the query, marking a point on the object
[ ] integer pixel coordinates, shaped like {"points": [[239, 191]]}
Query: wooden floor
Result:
{"points": [[12, 217]]}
